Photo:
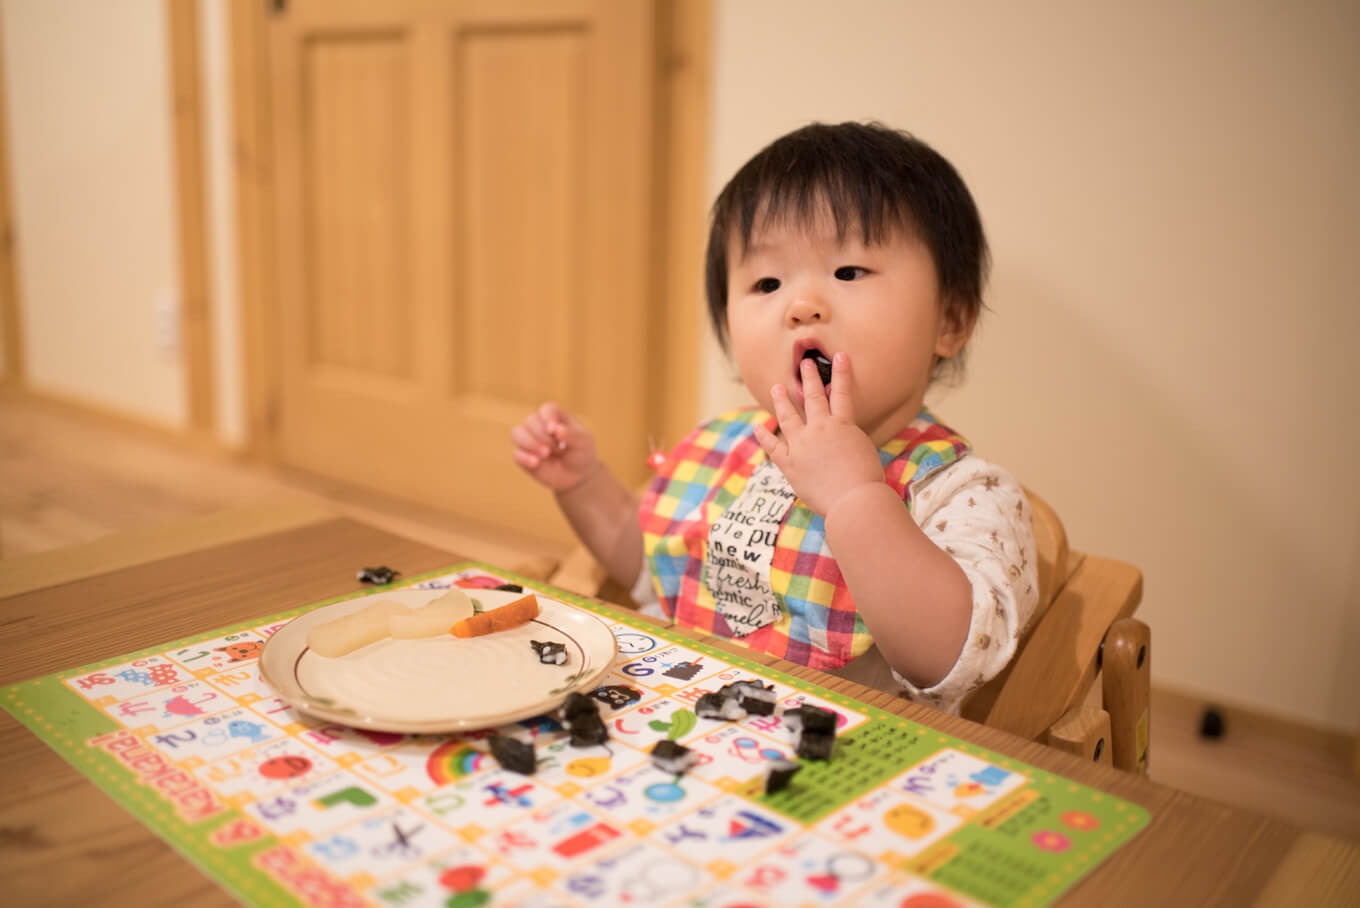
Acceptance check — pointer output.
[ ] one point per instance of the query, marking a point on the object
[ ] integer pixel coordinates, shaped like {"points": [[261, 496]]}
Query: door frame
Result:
{"points": [[13, 371], [679, 211], [191, 214]]}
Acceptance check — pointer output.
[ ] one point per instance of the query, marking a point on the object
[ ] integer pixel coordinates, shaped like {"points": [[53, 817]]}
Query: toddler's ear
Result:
{"points": [[955, 328]]}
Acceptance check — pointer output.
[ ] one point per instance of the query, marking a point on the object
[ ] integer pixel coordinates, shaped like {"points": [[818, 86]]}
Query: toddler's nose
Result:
{"points": [[805, 306]]}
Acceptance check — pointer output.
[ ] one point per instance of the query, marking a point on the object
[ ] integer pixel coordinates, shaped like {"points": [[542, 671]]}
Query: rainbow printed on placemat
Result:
{"points": [[453, 760]]}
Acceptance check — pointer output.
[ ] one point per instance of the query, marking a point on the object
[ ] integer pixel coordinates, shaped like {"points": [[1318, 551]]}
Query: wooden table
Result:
{"points": [[62, 842]]}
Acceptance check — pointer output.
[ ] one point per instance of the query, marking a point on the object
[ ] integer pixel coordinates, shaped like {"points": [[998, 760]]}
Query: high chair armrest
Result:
{"points": [[1057, 662], [1084, 731]]}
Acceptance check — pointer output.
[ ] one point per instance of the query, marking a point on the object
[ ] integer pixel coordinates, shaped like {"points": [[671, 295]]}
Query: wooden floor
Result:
{"points": [[67, 477]]}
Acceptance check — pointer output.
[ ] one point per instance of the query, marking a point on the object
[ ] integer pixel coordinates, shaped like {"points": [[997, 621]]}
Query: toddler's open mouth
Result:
{"points": [[823, 364], [821, 361]]}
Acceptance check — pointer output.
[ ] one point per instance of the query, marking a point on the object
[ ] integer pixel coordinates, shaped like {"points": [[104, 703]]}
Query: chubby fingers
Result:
{"points": [[842, 401], [556, 423], [814, 392], [784, 410], [532, 443], [774, 448], [525, 459]]}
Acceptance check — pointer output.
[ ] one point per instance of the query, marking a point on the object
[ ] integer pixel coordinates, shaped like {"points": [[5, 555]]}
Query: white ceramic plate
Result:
{"points": [[438, 684]]}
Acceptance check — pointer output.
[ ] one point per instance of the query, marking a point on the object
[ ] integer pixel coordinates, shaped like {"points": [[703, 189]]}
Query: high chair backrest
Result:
{"points": [[1085, 603], [1050, 550]]}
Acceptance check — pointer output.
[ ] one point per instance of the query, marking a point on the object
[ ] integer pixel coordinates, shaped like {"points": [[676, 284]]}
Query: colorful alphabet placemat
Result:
{"points": [[282, 809]]}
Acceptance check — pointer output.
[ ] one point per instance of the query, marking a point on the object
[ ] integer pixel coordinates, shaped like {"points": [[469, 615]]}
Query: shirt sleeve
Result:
{"points": [[978, 513]]}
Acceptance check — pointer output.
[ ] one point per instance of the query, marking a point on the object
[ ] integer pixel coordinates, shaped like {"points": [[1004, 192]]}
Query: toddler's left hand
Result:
{"points": [[828, 454]]}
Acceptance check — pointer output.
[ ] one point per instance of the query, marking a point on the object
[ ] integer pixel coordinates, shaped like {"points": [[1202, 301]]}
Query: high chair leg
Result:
{"points": [[1127, 667], [1084, 731]]}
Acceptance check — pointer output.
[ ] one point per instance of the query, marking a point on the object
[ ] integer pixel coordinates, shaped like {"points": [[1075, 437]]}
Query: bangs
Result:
{"points": [[798, 192]]}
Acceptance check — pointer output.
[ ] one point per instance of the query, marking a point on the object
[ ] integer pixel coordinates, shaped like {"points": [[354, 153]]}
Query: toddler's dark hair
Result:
{"points": [[885, 178]]}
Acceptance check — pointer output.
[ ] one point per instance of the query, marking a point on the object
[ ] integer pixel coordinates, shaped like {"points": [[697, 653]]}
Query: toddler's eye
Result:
{"points": [[850, 273], [767, 285]]}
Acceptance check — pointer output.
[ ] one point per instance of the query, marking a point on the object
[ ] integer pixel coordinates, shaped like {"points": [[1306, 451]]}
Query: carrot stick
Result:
{"points": [[511, 615]]}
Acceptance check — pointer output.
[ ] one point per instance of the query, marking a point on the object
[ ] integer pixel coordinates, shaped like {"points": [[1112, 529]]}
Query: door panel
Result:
{"points": [[520, 115], [463, 231], [357, 137]]}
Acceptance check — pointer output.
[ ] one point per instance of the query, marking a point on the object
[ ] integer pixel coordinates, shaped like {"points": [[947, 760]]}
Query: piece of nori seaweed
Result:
{"points": [[549, 650], [812, 718], [381, 575], [672, 757], [815, 745], [712, 706], [578, 704], [780, 774], [757, 704], [513, 754], [587, 730]]}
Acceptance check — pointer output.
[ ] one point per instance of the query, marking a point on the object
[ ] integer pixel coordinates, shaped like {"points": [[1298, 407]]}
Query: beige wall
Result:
{"points": [[1172, 199], [90, 157]]}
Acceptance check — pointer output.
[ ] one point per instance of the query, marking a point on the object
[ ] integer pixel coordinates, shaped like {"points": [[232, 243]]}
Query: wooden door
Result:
{"points": [[463, 231]]}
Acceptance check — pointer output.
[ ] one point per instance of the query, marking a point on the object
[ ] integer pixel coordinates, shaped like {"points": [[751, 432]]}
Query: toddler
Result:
{"points": [[838, 524]]}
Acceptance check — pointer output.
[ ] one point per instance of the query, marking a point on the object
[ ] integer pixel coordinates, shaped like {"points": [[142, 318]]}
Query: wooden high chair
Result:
{"points": [[1082, 632]]}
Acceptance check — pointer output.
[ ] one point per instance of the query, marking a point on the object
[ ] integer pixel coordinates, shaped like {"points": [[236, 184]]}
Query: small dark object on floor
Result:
{"points": [[380, 575], [509, 587], [578, 704], [550, 652], [815, 745], [780, 774], [587, 730], [513, 754], [672, 758], [1212, 724]]}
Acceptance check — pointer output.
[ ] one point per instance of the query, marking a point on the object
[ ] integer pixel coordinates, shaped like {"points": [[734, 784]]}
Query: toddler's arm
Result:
{"points": [[915, 599], [554, 448], [977, 513]]}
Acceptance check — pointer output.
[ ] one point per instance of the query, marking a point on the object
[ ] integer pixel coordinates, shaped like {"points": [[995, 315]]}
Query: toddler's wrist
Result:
{"points": [[854, 501], [590, 473]]}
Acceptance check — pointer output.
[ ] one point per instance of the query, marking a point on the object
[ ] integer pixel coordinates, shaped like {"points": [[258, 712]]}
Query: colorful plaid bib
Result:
{"points": [[818, 625]]}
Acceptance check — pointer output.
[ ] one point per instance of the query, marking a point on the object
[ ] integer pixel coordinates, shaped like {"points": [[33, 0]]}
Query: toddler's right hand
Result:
{"points": [[554, 448]]}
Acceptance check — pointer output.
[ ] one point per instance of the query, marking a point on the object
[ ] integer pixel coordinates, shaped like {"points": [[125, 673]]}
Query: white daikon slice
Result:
{"points": [[344, 635], [433, 618]]}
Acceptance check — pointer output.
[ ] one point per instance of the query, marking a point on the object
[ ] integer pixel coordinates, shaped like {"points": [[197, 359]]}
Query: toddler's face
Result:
{"points": [[798, 289]]}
